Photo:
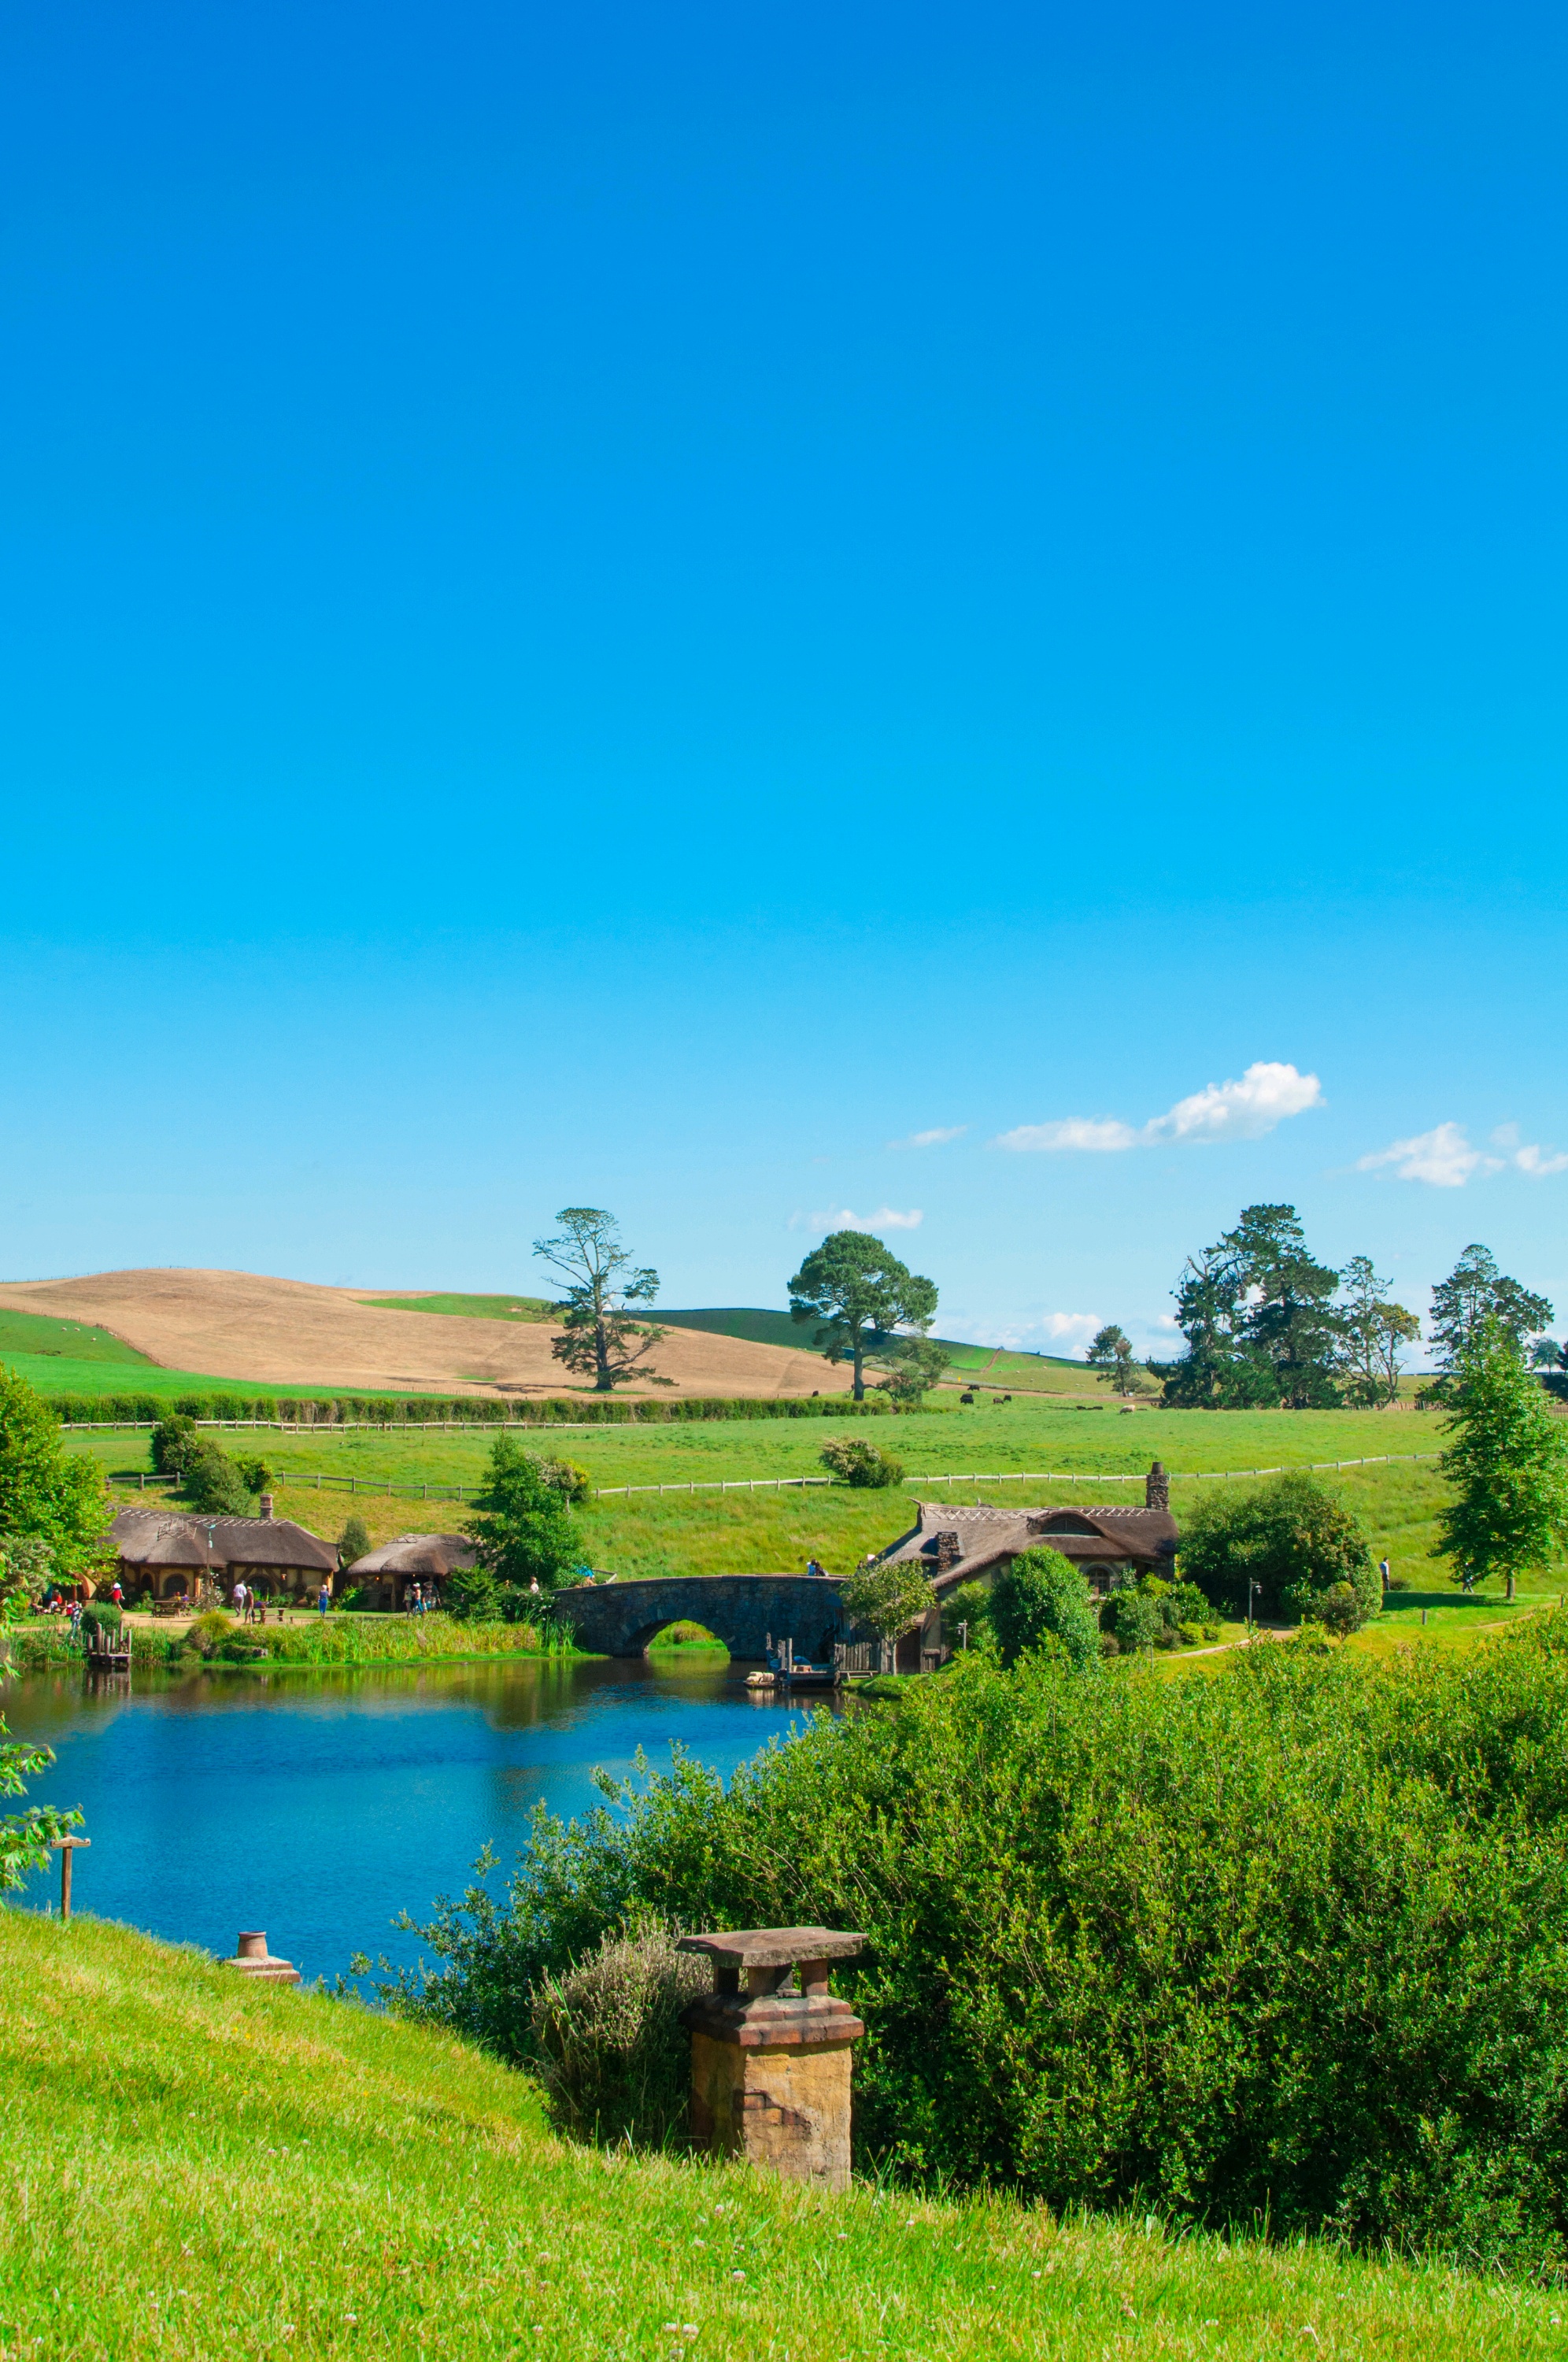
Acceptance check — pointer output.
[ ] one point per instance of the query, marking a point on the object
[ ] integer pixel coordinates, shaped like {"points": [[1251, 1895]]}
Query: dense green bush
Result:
{"points": [[212, 1483], [104, 1613], [1133, 1619], [522, 1528], [353, 1541], [1042, 1600], [174, 1439], [1290, 1943], [855, 1461], [613, 2055], [1294, 1536]]}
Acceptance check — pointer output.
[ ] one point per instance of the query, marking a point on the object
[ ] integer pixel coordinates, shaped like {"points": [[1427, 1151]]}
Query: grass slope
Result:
{"points": [[193, 2168], [1038, 1373], [34, 1337], [711, 1532]]}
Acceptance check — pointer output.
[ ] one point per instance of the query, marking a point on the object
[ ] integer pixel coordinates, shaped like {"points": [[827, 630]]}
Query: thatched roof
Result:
{"points": [[987, 1535], [167, 1538], [417, 1555]]}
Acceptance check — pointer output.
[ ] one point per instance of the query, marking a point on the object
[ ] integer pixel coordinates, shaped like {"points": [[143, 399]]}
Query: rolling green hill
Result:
{"points": [[1001, 1366], [30, 1335]]}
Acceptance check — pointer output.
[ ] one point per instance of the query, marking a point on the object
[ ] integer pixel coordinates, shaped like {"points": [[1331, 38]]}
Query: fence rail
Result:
{"points": [[1174, 1475]]}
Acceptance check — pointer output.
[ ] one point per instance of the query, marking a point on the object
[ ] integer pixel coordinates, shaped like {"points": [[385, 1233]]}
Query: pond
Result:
{"points": [[320, 1805]]}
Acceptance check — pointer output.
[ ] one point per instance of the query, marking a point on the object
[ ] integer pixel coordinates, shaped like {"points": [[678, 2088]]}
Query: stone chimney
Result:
{"points": [[1157, 1487], [265, 1504], [949, 1551]]}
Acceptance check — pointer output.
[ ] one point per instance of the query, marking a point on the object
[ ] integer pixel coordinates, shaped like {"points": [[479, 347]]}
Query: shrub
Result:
{"points": [[1133, 1617], [104, 1614], [1042, 1598], [1339, 1611], [1290, 1943], [209, 1631], [614, 2059], [566, 1478], [970, 1603], [174, 1439], [855, 1462], [212, 1484], [353, 1541], [26, 1569], [1291, 1536], [256, 1476], [1189, 1635]]}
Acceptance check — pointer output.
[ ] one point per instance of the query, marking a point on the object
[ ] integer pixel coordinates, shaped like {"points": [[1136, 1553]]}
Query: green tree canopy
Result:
{"points": [[913, 1365], [1372, 1331], [522, 1525], [888, 1595], [1292, 1536], [25, 1838], [599, 1339], [353, 1541], [1039, 1598], [861, 1296], [1475, 1293], [212, 1483], [1507, 1462], [46, 1491], [1259, 1317]]}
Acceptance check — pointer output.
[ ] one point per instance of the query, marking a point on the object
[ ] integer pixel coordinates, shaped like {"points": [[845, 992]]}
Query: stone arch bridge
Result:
{"points": [[619, 1619]]}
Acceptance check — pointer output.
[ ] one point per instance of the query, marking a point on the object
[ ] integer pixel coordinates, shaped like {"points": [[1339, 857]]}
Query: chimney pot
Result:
{"points": [[265, 1504]]}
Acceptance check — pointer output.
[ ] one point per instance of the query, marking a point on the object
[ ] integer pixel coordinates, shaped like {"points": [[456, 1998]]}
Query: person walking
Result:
{"points": [[324, 1599]]}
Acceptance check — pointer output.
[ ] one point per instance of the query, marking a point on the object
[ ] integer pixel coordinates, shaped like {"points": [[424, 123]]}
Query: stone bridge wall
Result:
{"points": [[619, 1619]]}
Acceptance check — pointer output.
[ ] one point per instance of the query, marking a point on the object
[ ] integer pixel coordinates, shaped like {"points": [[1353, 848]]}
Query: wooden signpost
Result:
{"points": [[65, 1848]]}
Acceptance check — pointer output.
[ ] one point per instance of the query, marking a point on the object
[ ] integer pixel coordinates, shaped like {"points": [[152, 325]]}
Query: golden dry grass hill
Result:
{"points": [[240, 1325]]}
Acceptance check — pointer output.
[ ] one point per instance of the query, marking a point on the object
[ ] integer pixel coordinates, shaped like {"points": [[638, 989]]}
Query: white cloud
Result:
{"points": [[1441, 1157], [886, 1218], [1539, 1162], [1265, 1095], [1071, 1131], [937, 1139], [1053, 1332]]}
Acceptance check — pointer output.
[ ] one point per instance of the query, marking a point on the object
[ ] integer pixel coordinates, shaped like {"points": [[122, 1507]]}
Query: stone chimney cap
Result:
{"points": [[265, 1504], [774, 1947]]}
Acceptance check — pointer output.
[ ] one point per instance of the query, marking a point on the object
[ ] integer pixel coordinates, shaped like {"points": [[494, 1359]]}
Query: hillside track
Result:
{"points": [[260, 1330]]}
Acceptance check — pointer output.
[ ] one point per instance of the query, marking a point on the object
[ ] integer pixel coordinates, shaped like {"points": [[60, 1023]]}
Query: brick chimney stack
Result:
{"points": [[1157, 1487], [265, 1504]]}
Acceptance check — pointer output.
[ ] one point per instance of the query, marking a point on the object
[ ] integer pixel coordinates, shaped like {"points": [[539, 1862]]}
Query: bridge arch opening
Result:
{"points": [[685, 1639]]}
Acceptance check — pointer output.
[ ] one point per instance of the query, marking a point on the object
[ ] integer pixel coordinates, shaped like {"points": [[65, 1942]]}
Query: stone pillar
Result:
{"points": [[1157, 1487], [770, 2064], [257, 1964]]}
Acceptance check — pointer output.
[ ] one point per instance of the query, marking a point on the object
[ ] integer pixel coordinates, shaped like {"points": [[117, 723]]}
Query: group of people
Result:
{"points": [[250, 1605], [420, 1599]]}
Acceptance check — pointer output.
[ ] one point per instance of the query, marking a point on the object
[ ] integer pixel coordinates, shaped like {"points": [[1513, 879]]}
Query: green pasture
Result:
{"points": [[192, 2166], [694, 1531], [1037, 1372]]}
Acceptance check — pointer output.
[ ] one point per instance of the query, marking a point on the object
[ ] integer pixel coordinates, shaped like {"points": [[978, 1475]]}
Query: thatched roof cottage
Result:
{"points": [[173, 1551], [386, 1575]]}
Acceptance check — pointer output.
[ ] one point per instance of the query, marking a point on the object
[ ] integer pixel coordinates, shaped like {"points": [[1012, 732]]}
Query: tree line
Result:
{"points": [[1267, 1326]]}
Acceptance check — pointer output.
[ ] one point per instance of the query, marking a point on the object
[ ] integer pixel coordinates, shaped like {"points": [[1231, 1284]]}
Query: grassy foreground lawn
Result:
{"points": [[193, 2168]]}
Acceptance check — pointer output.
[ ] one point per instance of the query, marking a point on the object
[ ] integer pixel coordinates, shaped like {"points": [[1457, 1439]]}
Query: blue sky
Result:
{"points": [[631, 606]]}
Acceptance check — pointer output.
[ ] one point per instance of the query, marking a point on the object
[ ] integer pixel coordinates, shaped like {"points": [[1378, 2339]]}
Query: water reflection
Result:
{"points": [[319, 1805]]}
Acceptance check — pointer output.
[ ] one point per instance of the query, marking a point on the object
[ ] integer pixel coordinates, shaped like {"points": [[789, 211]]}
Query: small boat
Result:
{"points": [[761, 1681]]}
